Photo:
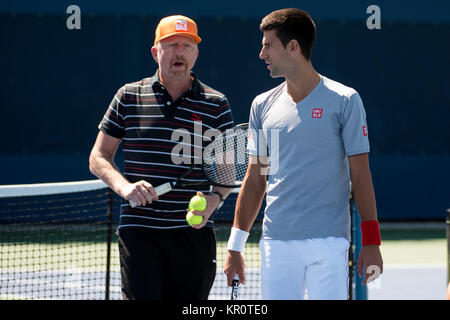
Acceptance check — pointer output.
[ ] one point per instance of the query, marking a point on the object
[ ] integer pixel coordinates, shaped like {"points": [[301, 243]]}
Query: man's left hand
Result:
{"points": [[371, 262], [212, 201]]}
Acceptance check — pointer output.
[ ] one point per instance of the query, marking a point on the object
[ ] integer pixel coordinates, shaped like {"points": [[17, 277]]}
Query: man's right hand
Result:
{"points": [[234, 264], [141, 192]]}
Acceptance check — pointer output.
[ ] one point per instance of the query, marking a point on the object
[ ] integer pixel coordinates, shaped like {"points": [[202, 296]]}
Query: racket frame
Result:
{"points": [[168, 186]]}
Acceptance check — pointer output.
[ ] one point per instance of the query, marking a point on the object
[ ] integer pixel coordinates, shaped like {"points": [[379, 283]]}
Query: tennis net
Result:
{"points": [[57, 241]]}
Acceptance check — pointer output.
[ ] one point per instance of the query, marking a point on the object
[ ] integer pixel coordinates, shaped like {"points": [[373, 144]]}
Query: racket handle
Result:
{"points": [[235, 285], [162, 189], [133, 204]]}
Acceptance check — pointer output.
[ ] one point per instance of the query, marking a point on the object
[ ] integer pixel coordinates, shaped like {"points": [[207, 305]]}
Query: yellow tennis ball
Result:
{"points": [[193, 219], [197, 203]]}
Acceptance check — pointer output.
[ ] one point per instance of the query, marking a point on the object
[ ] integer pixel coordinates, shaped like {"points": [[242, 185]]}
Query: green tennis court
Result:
{"points": [[414, 246], [50, 265], [63, 246], [415, 262], [33, 266]]}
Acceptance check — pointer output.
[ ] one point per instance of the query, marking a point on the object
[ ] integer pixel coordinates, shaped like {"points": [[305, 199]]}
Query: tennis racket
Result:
{"points": [[224, 164], [234, 287]]}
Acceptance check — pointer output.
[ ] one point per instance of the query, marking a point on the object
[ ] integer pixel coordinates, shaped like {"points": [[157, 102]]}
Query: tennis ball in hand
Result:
{"points": [[197, 203], [193, 219]]}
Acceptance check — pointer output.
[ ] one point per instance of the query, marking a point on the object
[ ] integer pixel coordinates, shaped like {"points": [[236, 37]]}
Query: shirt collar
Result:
{"points": [[194, 91]]}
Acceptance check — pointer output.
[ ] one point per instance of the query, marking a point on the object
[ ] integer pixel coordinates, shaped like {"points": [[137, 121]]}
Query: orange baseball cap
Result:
{"points": [[176, 25]]}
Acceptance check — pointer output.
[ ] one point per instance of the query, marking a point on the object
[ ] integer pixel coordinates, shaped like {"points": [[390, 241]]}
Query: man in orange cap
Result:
{"points": [[175, 50], [161, 256]]}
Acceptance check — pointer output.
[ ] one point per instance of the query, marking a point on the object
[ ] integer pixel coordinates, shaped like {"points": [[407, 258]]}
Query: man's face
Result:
{"points": [[175, 56], [274, 54]]}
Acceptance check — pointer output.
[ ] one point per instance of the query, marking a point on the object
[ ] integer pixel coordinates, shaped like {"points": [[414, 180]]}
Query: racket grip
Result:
{"points": [[235, 282], [162, 189], [235, 285]]}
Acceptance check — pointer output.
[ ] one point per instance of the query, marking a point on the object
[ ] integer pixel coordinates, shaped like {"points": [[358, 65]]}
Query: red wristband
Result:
{"points": [[370, 231]]}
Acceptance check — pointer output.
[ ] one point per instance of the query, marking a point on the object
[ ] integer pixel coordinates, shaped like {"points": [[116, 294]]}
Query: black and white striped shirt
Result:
{"points": [[144, 116]]}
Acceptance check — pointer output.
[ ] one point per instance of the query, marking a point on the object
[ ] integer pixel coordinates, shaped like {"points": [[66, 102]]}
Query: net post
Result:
{"points": [[108, 243], [360, 289], [351, 251], [448, 247]]}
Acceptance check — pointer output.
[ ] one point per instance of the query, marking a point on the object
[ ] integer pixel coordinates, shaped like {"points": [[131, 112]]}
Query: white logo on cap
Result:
{"points": [[180, 25]]}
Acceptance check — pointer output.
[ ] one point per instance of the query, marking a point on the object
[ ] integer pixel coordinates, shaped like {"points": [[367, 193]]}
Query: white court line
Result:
{"points": [[414, 266]]}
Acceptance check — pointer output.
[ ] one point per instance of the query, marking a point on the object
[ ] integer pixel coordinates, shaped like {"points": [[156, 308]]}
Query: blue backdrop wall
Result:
{"points": [[56, 83]]}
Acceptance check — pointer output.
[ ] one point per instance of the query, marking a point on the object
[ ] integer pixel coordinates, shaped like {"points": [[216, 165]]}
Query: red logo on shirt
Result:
{"points": [[195, 117], [317, 113], [364, 131]]}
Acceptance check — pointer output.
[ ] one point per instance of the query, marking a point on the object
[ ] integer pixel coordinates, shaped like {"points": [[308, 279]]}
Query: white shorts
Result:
{"points": [[318, 265]]}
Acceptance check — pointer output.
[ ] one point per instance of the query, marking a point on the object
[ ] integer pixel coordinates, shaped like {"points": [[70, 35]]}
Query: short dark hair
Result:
{"points": [[291, 24]]}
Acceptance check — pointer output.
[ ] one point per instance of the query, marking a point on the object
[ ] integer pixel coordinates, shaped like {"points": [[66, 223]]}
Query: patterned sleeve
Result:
{"points": [[113, 120], [224, 115]]}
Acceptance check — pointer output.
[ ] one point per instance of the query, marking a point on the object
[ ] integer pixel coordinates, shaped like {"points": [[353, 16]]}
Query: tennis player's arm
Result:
{"points": [[101, 161], [370, 261], [102, 165], [212, 201], [223, 191], [248, 204], [251, 194], [363, 187]]}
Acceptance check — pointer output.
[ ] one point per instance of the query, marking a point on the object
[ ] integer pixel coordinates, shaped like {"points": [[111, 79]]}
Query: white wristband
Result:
{"points": [[237, 239]]}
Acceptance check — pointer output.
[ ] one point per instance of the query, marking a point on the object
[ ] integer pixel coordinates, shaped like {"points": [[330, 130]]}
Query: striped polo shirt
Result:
{"points": [[144, 116]]}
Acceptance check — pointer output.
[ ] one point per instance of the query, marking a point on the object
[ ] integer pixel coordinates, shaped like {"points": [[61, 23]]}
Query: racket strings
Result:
{"points": [[226, 159]]}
